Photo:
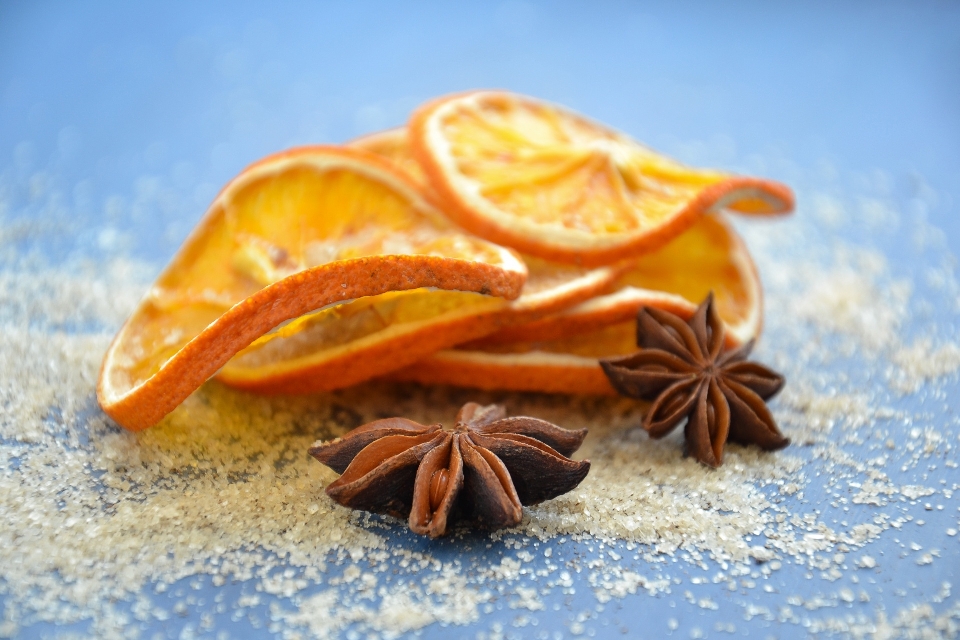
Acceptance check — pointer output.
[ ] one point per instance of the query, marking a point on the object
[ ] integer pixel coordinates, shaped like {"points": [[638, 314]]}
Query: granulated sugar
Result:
{"points": [[116, 530]]}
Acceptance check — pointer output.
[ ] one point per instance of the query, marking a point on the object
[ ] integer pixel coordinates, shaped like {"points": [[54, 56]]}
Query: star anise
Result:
{"points": [[482, 471], [685, 371]]}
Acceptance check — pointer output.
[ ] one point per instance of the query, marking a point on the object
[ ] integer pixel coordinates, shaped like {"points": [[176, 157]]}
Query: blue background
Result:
{"points": [[109, 101], [192, 92]]}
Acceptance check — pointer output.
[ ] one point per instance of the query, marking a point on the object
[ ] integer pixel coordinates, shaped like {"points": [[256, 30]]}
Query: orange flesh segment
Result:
{"points": [[295, 232], [551, 183]]}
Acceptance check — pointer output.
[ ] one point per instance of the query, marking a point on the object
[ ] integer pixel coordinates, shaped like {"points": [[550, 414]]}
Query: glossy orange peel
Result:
{"points": [[559, 353], [293, 233], [551, 183]]}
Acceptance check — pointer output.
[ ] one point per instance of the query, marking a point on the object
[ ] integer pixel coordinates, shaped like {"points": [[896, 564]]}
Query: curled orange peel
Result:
{"points": [[710, 256], [559, 353], [293, 233], [551, 183]]}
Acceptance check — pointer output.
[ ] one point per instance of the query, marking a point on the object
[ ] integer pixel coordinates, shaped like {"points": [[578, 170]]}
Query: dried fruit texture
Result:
{"points": [[684, 369], [482, 472], [551, 286], [708, 257], [550, 183], [352, 342], [560, 353], [297, 232], [540, 371]]}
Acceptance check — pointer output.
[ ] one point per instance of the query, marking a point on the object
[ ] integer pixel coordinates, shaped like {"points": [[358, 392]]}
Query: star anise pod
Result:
{"points": [[685, 371], [482, 471]]}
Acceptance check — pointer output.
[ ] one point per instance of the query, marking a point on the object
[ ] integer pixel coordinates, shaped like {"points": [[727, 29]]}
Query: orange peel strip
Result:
{"points": [[551, 183], [536, 371], [305, 362], [550, 287], [710, 256], [293, 233], [559, 353]]}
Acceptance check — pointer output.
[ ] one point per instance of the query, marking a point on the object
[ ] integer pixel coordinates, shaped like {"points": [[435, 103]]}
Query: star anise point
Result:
{"points": [[685, 371], [484, 470]]}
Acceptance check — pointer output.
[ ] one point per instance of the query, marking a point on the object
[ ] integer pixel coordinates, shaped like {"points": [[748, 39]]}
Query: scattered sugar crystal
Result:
{"points": [[222, 486]]}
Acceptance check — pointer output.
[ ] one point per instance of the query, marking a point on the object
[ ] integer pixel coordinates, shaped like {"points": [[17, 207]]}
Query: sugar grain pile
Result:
{"points": [[121, 533]]}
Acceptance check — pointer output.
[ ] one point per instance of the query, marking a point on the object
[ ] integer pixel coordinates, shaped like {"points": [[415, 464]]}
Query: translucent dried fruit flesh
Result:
{"points": [[559, 353], [707, 257], [551, 183], [551, 286], [293, 233]]}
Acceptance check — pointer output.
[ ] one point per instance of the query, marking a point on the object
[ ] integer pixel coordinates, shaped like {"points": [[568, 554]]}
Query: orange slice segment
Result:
{"points": [[535, 371], [709, 256], [338, 347], [551, 286], [299, 231], [549, 182], [538, 369], [559, 353]]}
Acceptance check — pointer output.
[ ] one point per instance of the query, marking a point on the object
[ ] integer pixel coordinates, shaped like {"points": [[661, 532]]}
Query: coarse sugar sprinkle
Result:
{"points": [[99, 526]]}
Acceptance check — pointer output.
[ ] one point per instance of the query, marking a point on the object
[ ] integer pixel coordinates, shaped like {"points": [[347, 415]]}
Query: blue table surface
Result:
{"points": [[98, 95]]}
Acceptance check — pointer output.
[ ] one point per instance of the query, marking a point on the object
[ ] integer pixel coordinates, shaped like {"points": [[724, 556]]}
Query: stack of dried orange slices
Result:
{"points": [[497, 242]]}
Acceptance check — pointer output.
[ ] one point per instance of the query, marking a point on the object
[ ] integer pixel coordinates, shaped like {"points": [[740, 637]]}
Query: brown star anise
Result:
{"points": [[482, 471], [684, 370]]}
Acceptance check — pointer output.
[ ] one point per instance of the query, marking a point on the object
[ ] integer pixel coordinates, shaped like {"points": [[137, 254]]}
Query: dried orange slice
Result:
{"points": [[551, 286], [534, 370], [559, 353], [549, 182], [709, 256], [357, 340], [300, 231]]}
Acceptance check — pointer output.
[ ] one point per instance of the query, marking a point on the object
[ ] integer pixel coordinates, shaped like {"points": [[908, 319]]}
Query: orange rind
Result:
{"points": [[559, 353], [710, 256], [393, 145], [534, 371], [551, 183], [550, 287], [309, 229]]}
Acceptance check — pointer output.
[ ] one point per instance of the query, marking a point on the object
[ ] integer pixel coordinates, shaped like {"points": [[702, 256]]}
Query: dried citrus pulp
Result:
{"points": [[559, 353], [321, 267], [551, 286], [335, 233], [551, 183]]}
